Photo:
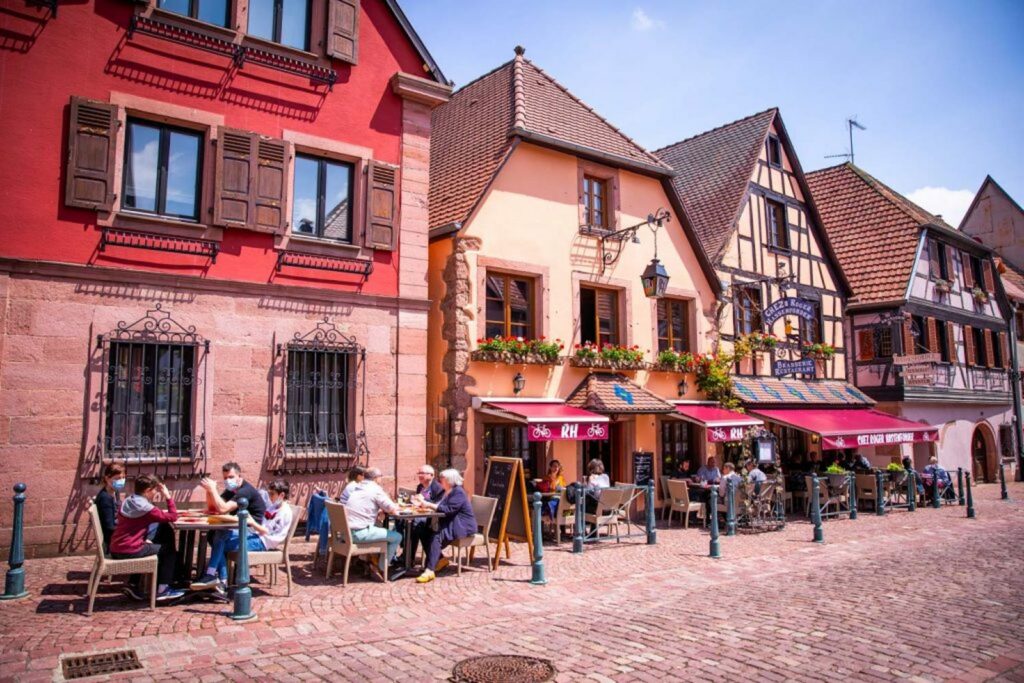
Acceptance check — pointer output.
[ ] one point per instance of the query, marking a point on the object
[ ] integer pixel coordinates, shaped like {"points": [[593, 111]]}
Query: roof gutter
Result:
{"points": [[956, 235], [641, 167]]}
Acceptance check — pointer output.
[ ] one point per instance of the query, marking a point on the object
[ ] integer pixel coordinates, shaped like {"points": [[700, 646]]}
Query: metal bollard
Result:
{"points": [[243, 594], [911, 491], [960, 485], [730, 508], [538, 544], [853, 494], [716, 549], [819, 534], [14, 583], [936, 501], [579, 521], [652, 534], [1002, 481], [970, 498], [879, 494]]}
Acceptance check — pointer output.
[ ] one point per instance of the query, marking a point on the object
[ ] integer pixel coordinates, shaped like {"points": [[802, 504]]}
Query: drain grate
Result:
{"points": [[83, 666], [503, 669]]}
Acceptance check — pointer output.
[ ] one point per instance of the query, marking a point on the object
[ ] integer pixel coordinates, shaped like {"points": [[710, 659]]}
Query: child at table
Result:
{"points": [[270, 535], [129, 541]]}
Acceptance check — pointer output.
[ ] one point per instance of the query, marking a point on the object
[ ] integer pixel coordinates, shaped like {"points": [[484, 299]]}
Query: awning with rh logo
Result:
{"points": [[552, 421], [721, 424], [853, 427]]}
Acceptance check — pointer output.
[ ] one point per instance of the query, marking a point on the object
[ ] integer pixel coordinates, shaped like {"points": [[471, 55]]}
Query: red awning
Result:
{"points": [[852, 428], [722, 425], [552, 421]]}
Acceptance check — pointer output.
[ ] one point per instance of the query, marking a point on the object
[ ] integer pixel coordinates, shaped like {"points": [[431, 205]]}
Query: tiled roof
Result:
{"points": [[474, 130], [610, 394], [713, 170], [1013, 280], [775, 391], [873, 229]]}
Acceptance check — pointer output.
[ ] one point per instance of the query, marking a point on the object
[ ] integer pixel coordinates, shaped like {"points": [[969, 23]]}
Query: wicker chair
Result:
{"points": [[341, 542], [483, 510], [609, 512], [565, 515], [105, 566], [273, 558], [679, 501]]}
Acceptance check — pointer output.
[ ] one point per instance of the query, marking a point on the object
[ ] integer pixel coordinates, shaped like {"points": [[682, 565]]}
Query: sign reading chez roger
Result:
{"points": [[566, 431], [887, 438], [789, 305]]}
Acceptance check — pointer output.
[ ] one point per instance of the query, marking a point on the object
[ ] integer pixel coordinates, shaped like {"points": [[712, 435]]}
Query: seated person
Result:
{"points": [[430, 489], [107, 498], [364, 504], [755, 476], [908, 465], [129, 541], [860, 463], [729, 475], [596, 480], [234, 487], [355, 477], [267, 536], [932, 469], [683, 470], [458, 522], [553, 483], [709, 473]]}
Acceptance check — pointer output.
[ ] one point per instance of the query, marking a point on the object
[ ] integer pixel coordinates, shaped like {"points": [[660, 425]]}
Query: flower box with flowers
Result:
{"points": [[609, 356], [819, 351], [517, 350], [979, 294], [671, 360], [943, 286]]}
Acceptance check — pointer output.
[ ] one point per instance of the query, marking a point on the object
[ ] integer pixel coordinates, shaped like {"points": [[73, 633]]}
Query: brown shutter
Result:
{"points": [[933, 335], [269, 191], [92, 141], [950, 272], [908, 338], [965, 265], [934, 269], [969, 344], [1004, 345], [951, 342], [343, 30], [866, 345], [989, 351], [986, 274], [234, 173], [381, 230]]}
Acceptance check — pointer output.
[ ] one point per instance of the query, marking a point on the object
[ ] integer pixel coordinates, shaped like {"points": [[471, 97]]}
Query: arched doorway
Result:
{"points": [[983, 454]]}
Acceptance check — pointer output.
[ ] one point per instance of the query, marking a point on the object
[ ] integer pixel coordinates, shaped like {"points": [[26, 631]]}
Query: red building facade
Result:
{"points": [[214, 245]]}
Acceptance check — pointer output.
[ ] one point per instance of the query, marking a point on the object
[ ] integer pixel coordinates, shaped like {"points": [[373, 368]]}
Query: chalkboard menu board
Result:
{"points": [[643, 467], [506, 484], [498, 486]]}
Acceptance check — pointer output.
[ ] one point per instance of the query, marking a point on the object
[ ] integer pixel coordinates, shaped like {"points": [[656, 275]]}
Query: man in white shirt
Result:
{"points": [[365, 502], [729, 476]]}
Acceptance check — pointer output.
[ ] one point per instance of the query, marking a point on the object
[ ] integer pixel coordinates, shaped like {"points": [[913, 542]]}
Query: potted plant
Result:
{"points": [[518, 350], [819, 351], [943, 286], [979, 294], [612, 356], [671, 360]]}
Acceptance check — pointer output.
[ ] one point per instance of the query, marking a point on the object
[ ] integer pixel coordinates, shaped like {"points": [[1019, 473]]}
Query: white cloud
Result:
{"points": [[642, 22], [950, 204]]}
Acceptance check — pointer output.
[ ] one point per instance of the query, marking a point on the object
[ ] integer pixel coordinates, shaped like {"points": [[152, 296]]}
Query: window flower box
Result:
{"points": [[517, 350], [819, 351], [980, 295], [943, 286], [671, 360], [608, 357]]}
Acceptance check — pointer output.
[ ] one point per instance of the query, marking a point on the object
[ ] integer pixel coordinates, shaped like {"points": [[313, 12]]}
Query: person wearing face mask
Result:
{"points": [[269, 535], [106, 500], [234, 488]]}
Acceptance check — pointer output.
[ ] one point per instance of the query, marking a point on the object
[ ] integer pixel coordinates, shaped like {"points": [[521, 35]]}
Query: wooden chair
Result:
{"points": [[666, 498], [823, 498], [272, 558], [483, 510], [787, 496], [104, 566], [679, 501], [342, 543], [565, 515], [866, 491], [608, 514]]}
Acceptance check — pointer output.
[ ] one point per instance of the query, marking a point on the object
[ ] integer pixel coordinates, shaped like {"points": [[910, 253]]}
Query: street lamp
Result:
{"points": [[518, 383], [682, 387], [655, 277]]}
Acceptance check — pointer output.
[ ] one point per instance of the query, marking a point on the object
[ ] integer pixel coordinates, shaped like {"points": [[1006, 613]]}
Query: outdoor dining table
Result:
{"points": [[193, 533], [411, 513]]}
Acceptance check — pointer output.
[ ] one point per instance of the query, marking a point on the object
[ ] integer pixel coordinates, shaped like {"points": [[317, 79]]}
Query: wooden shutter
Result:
{"points": [[865, 345], [1004, 345], [268, 204], [234, 173], [607, 309], [969, 344], [343, 30], [950, 273], [986, 274], [933, 335], [934, 268], [965, 265], [989, 350], [381, 230], [908, 338], [951, 342], [92, 144]]}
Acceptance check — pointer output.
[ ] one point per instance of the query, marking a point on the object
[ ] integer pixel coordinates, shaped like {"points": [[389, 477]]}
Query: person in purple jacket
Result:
{"points": [[458, 522]]}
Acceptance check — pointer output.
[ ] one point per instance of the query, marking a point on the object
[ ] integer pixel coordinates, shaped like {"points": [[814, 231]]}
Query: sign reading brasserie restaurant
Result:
{"points": [[566, 431], [789, 367], [789, 305]]}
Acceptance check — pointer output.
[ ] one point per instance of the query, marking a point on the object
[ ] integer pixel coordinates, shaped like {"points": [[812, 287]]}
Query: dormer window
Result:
{"points": [[774, 152], [938, 263], [595, 202]]}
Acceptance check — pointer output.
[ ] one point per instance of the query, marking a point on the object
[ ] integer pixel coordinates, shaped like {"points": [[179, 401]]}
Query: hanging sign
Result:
{"points": [[567, 431], [790, 305], [790, 367], [726, 434], [919, 375], [918, 359], [883, 439]]}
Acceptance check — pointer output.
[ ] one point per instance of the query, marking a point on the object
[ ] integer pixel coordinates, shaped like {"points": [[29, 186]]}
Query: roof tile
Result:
{"points": [[772, 390], [611, 393]]}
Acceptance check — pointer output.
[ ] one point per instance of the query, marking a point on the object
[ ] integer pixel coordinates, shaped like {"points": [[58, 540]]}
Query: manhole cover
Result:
{"points": [[503, 669], [83, 666]]}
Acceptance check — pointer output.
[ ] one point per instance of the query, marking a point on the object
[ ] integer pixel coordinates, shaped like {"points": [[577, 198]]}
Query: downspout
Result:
{"points": [[1015, 389]]}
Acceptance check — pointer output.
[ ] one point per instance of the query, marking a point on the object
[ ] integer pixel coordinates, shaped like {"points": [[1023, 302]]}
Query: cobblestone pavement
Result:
{"points": [[928, 595]]}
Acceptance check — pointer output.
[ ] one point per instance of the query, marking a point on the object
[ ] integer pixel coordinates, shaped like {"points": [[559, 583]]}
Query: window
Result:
{"points": [[884, 342], [977, 277], [323, 193], [790, 441], [997, 349], [1019, 317], [599, 316], [673, 324], [161, 170], [748, 309], [810, 330], [509, 306], [510, 441], [210, 11], [281, 21], [778, 230], [938, 267], [595, 202], [942, 335], [317, 399], [980, 352], [918, 332], [774, 151], [676, 446], [149, 400], [866, 344]]}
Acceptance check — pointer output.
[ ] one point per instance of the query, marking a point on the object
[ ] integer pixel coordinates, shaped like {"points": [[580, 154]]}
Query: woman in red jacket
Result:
{"points": [[134, 518]]}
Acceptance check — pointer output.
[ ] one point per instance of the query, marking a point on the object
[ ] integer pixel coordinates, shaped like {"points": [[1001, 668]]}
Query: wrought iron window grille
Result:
{"points": [[337, 264], [153, 397], [239, 54], [133, 239]]}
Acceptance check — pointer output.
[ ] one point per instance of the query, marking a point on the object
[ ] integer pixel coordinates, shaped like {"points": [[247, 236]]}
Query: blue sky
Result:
{"points": [[939, 85]]}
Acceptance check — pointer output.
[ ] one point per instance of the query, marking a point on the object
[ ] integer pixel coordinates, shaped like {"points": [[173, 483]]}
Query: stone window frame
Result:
{"points": [[613, 197], [540, 275], [624, 289], [690, 298]]}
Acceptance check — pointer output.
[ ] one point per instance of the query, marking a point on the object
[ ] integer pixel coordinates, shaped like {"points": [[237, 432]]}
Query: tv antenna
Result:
{"points": [[851, 123]]}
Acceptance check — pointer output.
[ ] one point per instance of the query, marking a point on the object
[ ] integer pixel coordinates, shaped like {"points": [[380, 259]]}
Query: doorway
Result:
{"points": [[607, 451], [980, 456]]}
